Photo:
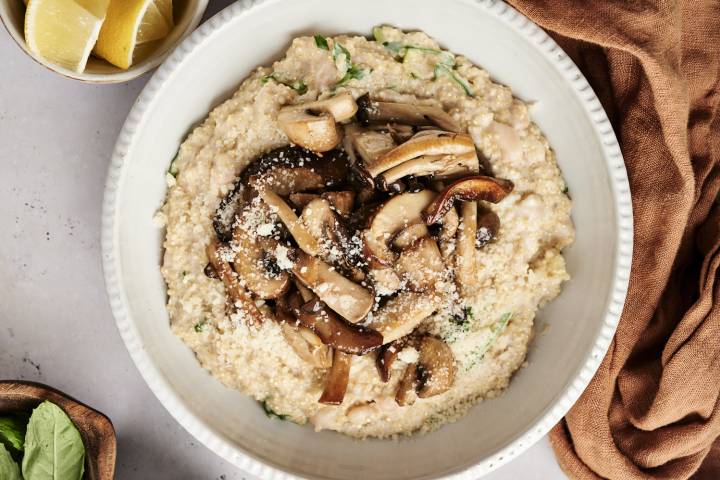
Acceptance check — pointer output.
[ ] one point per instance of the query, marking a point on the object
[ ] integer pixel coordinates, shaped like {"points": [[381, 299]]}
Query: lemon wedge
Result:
{"points": [[63, 32], [130, 23]]}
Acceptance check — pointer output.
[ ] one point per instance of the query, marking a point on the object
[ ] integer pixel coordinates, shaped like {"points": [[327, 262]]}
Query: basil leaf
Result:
{"points": [[442, 69], [53, 447], [9, 470], [12, 432], [321, 42]]}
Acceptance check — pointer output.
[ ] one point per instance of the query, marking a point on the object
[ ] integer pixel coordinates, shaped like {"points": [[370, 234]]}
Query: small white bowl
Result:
{"points": [[203, 71], [187, 13]]}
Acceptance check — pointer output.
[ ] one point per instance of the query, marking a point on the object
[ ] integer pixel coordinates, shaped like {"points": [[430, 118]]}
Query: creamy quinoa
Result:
{"points": [[514, 275]]}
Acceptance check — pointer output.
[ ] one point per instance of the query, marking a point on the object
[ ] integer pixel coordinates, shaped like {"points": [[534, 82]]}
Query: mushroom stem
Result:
{"points": [[337, 379], [465, 259], [240, 297], [304, 239]]}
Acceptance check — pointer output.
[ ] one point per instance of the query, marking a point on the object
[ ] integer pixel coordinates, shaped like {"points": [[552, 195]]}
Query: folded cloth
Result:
{"points": [[652, 411]]}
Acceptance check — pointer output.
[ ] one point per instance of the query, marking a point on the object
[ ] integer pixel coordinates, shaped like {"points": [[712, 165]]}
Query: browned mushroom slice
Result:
{"points": [[299, 200], [474, 188], [400, 133], [332, 237], [424, 143], [370, 145], [336, 332], [421, 266], [436, 367], [313, 125], [388, 219], [306, 344], [342, 201], [407, 388], [248, 263], [449, 224], [291, 169], [337, 379], [445, 165], [465, 258], [373, 111], [409, 235], [347, 298], [488, 226], [387, 355], [240, 297], [305, 240], [402, 313]]}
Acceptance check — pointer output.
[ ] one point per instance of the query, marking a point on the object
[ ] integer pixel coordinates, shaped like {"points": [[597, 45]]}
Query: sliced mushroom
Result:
{"points": [[474, 188], [336, 332], [401, 133], [303, 341], [373, 111], [299, 200], [436, 367], [227, 211], [348, 299], [342, 201], [370, 145], [315, 131], [249, 264], [402, 313], [407, 388], [449, 225], [421, 265], [392, 216], [424, 143], [465, 258], [488, 226], [332, 237], [291, 169], [387, 355], [219, 258], [305, 240], [337, 379], [409, 235], [385, 281], [445, 165], [313, 125], [304, 292]]}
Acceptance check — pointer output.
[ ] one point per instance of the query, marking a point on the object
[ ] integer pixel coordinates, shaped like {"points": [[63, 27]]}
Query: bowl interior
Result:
{"points": [[230, 46], [186, 14]]}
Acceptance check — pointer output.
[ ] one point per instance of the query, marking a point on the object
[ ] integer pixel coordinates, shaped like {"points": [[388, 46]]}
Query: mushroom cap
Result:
{"points": [[388, 219], [315, 131], [436, 367], [341, 106], [473, 188], [435, 165], [249, 254], [427, 142]]}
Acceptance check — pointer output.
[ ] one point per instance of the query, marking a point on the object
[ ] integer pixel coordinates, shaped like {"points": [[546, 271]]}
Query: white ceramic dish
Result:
{"points": [[187, 13], [203, 71]]}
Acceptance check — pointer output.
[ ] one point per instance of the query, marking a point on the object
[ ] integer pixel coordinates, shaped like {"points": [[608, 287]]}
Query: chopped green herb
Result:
{"points": [[377, 34], [479, 352], [398, 49], [353, 73], [565, 190], [469, 313], [338, 50], [271, 413], [442, 69], [184, 273], [200, 326], [173, 169], [321, 42], [297, 85]]}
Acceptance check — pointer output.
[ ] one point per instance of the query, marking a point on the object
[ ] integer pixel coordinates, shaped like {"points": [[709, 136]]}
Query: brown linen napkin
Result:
{"points": [[653, 409]]}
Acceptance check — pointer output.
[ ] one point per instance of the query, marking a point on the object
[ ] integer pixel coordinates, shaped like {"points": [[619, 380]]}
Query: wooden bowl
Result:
{"points": [[187, 14], [95, 428]]}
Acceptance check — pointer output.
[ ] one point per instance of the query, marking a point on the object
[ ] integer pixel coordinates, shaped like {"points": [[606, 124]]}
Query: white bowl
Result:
{"points": [[203, 71], [187, 13]]}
